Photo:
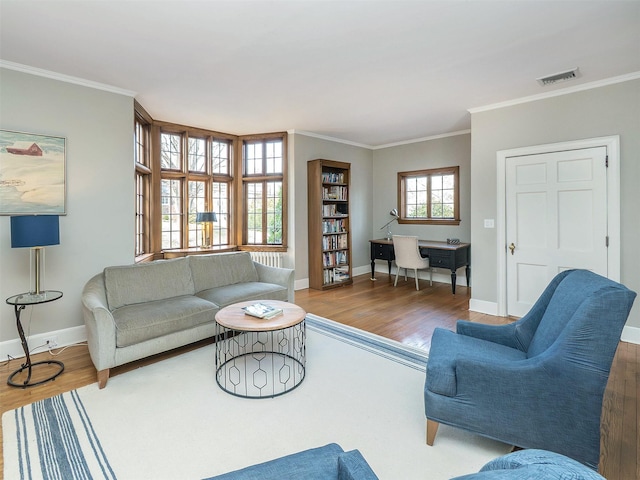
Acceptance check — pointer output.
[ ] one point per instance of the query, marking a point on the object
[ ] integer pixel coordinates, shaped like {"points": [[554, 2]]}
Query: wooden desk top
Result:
{"points": [[233, 317], [427, 244]]}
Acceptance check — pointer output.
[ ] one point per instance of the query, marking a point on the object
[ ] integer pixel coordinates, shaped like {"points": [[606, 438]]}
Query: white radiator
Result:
{"points": [[272, 259]]}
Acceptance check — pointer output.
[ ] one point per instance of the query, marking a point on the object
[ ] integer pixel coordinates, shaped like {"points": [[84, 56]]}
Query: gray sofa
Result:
{"points": [[136, 311]]}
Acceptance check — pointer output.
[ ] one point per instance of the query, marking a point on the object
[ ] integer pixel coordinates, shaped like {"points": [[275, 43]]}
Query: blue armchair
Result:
{"points": [[537, 382]]}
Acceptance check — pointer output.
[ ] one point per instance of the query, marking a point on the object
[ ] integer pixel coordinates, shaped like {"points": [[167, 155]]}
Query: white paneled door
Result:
{"points": [[556, 219]]}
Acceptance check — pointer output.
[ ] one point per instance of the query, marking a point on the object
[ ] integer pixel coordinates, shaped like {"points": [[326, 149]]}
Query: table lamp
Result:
{"points": [[35, 232], [206, 218], [393, 213]]}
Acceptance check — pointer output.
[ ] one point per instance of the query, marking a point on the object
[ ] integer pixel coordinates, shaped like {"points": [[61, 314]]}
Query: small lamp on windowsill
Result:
{"points": [[206, 218], [394, 214], [35, 232]]}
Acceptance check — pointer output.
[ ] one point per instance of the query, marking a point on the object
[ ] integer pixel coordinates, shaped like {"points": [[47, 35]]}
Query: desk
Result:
{"points": [[441, 255], [19, 303]]}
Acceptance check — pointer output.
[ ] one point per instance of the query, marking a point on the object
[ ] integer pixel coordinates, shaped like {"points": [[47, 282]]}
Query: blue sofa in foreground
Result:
{"points": [[533, 465], [537, 382], [323, 463]]}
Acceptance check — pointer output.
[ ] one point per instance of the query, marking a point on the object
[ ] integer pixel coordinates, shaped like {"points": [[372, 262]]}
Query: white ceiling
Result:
{"points": [[368, 72]]}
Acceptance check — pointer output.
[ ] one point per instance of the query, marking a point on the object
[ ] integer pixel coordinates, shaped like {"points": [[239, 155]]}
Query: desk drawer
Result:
{"points": [[439, 258], [382, 252]]}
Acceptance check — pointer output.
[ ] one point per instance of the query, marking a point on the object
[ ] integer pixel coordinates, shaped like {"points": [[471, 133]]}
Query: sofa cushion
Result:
{"points": [[228, 294], [211, 271], [147, 282], [140, 322]]}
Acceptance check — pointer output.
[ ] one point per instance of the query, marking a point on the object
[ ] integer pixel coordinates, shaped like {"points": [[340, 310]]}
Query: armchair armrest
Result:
{"points": [[502, 334], [277, 275]]}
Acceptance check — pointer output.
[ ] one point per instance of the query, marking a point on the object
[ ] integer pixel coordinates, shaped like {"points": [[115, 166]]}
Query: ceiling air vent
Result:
{"points": [[558, 77]]}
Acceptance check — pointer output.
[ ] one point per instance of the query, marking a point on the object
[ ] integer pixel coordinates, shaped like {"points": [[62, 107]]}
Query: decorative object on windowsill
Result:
{"points": [[207, 218], [35, 232], [394, 214], [453, 241]]}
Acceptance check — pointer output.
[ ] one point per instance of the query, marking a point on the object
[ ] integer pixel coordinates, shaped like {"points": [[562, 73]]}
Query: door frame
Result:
{"points": [[612, 144]]}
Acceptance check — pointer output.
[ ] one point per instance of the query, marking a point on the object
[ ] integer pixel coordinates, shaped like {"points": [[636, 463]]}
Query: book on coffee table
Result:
{"points": [[260, 310]]}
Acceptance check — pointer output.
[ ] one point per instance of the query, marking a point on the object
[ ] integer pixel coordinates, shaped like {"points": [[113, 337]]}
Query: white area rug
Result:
{"points": [[170, 420]]}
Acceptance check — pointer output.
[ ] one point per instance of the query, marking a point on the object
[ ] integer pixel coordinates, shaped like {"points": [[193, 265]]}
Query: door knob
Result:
{"points": [[512, 247]]}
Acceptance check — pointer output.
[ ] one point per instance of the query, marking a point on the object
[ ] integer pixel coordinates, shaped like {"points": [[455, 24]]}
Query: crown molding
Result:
{"points": [[65, 78], [378, 147], [326, 137], [557, 93], [422, 139]]}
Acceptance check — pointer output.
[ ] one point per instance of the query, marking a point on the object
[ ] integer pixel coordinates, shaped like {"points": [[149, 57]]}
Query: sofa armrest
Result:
{"points": [[100, 325], [278, 276]]}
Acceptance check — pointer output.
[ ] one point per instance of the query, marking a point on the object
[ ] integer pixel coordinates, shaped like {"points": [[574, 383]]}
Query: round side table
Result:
{"points": [[19, 303]]}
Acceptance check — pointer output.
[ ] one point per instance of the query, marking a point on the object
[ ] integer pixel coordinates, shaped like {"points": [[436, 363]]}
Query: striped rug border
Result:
{"points": [[398, 352]]}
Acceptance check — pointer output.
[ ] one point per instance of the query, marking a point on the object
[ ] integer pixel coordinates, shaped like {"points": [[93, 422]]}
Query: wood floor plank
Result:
{"points": [[403, 314]]}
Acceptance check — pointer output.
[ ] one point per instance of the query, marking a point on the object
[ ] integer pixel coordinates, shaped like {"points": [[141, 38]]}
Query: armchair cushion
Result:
{"points": [[533, 465]]}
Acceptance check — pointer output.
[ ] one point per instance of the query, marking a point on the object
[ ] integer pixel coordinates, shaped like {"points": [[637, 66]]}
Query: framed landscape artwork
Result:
{"points": [[32, 174]]}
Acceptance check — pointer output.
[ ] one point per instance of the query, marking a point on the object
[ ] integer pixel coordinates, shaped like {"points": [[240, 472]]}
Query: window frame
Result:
{"points": [[185, 175], [431, 172], [264, 179], [142, 183]]}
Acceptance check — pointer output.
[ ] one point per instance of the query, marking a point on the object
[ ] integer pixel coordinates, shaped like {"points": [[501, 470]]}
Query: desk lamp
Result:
{"points": [[35, 232], [206, 218], [394, 214]]}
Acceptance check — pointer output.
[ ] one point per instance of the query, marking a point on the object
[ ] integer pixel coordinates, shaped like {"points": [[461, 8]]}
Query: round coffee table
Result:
{"points": [[260, 358]]}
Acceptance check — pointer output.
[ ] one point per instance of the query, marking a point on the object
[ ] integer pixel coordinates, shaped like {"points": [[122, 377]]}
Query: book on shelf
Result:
{"points": [[260, 310]]}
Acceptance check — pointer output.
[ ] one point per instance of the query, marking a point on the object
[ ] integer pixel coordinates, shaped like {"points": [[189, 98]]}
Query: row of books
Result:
{"points": [[330, 177], [335, 242], [335, 193], [330, 259], [334, 210], [334, 275], [334, 225]]}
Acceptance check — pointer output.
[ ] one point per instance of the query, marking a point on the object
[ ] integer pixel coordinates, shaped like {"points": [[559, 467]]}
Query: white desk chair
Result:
{"points": [[408, 256]]}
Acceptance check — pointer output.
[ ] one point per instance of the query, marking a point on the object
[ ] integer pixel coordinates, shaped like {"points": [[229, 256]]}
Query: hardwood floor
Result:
{"points": [[408, 316]]}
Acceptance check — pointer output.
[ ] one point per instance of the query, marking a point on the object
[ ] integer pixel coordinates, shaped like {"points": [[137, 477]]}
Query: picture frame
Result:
{"points": [[32, 174]]}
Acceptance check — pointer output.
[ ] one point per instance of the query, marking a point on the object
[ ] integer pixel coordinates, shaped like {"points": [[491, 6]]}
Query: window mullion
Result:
{"points": [[429, 192]]}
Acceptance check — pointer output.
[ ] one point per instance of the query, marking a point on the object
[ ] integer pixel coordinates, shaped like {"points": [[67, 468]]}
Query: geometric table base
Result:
{"points": [[262, 364]]}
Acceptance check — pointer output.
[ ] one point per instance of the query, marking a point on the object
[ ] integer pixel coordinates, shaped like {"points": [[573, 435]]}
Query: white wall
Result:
{"points": [[599, 112], [98, 229], [443, 152]]}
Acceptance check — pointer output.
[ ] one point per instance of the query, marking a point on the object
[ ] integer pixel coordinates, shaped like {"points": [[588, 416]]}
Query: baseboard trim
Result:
{"points": [[482, 306], [37, 343], [631, 335]]}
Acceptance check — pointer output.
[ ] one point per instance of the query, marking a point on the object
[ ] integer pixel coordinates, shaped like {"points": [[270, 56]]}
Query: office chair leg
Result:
{"points": [[405, 274], [397, 273], [416, 274], [430, 277]]}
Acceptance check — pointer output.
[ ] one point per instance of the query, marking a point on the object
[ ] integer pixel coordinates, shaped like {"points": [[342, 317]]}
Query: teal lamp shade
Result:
{"points": [[35, 231], [202, 217]]}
